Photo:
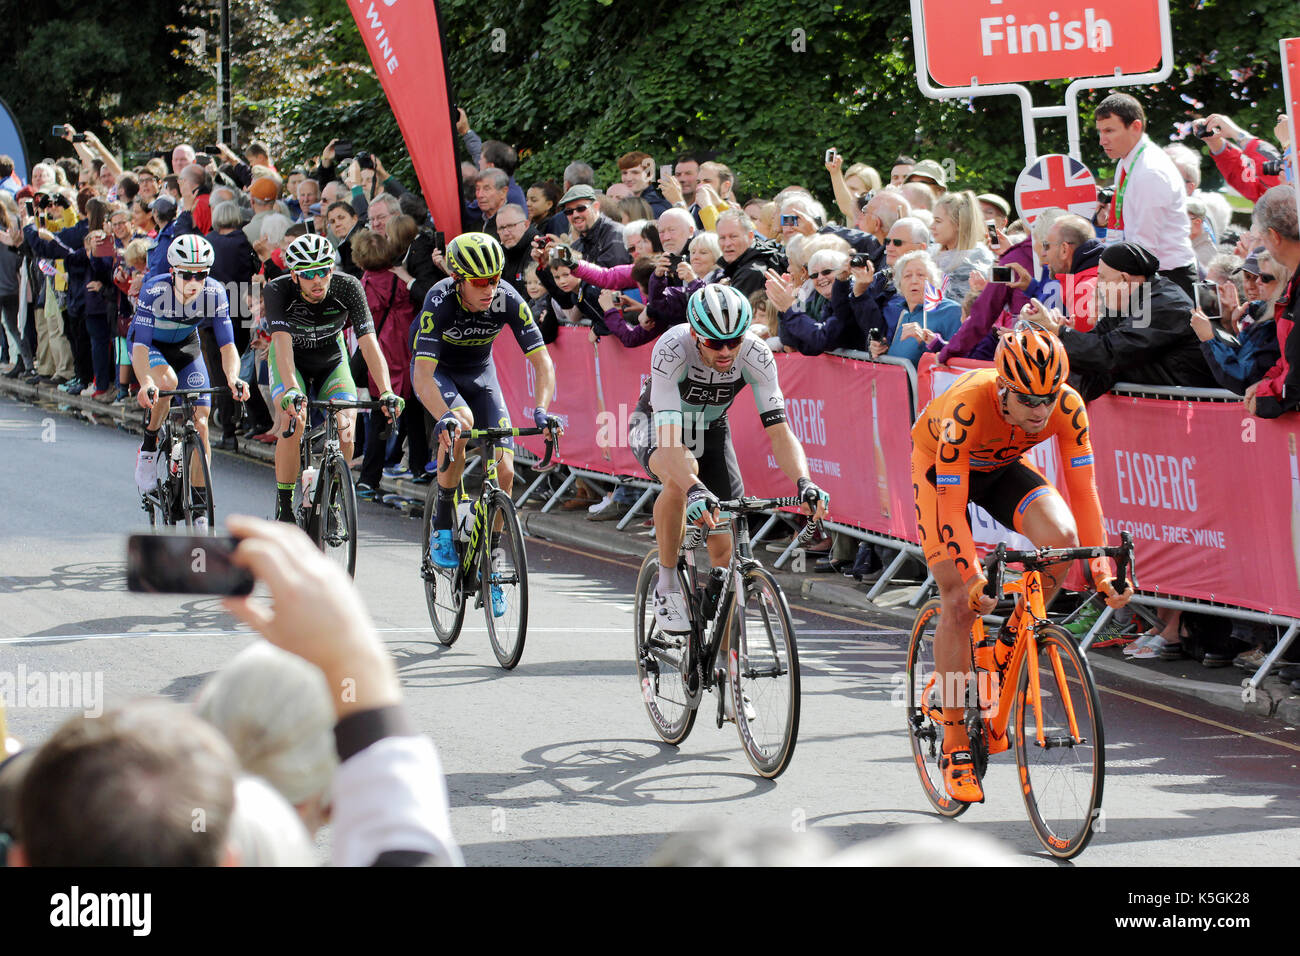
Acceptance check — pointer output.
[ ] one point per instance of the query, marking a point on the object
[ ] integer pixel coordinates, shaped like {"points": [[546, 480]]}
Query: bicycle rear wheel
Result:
{"points": [[763, 673], [925, 710], [446, 601], [192, 450], [659, 658], [504, 569], [336, 521], [1061, 778]]}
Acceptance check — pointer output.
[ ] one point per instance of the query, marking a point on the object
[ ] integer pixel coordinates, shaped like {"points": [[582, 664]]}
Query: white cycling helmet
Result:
{"points": [[190, 253], [309, 251], [719, 312]]}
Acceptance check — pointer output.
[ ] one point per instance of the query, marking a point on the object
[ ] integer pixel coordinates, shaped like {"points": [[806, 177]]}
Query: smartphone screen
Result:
{"points": [[1001, 274], [310, 223], [30, 207], [58, 131], [993, 233], [106, 249], [789, 220], [440, 241], [184, 564]]}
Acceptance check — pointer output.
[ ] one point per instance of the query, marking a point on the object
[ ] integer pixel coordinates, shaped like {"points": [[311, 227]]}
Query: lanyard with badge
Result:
{"points": [[1117, 210]]}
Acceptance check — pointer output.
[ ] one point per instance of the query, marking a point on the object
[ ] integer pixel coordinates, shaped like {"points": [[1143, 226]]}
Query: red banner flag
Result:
{"points": [[404, 41]]}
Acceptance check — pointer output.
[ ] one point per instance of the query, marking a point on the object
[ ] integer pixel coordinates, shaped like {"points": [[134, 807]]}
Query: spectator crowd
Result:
{"points": [[1159, 288]]}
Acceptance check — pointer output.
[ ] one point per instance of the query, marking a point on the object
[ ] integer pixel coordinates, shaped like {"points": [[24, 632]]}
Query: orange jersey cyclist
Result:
{"points": [[968, 446]]}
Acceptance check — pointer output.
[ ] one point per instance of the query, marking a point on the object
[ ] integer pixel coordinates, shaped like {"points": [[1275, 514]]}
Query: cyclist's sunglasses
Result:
{"points": [[719, 345], [320, 273], [196, 275], [1034, 401], [484, 283]]}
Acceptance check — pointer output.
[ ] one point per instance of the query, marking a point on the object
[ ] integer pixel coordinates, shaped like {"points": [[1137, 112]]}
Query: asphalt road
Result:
{"points": [[556, 762]]}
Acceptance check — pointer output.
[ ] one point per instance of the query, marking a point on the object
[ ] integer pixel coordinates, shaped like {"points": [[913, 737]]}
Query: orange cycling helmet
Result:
{"points": [[1031, 361]]}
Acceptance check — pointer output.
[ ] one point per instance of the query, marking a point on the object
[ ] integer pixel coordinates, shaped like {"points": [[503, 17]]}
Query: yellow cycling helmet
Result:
{"points": [[475, 255]]}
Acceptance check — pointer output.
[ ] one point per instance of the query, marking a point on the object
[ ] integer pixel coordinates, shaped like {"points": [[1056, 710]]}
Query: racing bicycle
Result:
{"points": [[448, 590], [325, 498], [761, 669], [1041, 697], [173, 500]]}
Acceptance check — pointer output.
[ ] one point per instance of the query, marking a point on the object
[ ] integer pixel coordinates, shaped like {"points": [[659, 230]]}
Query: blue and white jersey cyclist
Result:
{"points": [[165, 349], [453, 375], [681, 437]]}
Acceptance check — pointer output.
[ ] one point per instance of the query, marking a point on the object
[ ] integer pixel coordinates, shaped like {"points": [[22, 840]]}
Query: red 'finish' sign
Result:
{"points": [[1018, 41]]}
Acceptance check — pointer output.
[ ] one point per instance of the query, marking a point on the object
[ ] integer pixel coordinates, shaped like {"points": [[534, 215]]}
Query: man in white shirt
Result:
{"points": [[1149, 206]]}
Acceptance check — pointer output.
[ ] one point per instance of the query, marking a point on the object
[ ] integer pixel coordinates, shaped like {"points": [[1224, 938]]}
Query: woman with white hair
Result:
{"points": [[275, 710], [814, 325], [922, 319]]}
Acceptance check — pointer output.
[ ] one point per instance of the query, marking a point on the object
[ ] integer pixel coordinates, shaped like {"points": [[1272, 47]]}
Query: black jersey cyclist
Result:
{"points": [[307, 310], [453, 375], [680, 434], [165, 350]]}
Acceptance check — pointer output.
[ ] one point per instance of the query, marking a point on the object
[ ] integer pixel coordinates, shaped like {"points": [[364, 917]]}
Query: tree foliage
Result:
{"points": [[767, 86]]}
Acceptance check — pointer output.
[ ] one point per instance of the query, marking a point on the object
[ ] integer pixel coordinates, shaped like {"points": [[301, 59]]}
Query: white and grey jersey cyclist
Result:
{"points": [[685, 391]]}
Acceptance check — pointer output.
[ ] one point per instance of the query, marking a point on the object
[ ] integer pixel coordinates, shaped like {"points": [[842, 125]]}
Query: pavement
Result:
{"points": [[1220, 687]]}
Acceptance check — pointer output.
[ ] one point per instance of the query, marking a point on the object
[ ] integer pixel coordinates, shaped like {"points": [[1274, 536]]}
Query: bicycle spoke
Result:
{"points": [[765, 685], [1064, 774], [659, 661]]}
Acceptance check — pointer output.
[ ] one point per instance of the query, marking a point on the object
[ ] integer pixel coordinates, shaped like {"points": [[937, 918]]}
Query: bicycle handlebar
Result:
{"points": [[995, 564], [185, 395], [494, 434]]}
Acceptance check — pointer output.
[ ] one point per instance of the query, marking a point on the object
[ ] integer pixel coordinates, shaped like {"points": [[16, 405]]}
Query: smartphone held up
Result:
{"points": [[185, 564]]}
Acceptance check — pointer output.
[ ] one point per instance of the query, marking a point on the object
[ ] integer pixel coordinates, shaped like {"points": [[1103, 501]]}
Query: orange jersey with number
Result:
{"points": [[963, 432]]}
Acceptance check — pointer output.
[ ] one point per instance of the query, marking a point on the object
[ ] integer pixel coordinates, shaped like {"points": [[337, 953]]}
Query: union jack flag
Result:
{"points": [[933, 296], [1056, 180]]}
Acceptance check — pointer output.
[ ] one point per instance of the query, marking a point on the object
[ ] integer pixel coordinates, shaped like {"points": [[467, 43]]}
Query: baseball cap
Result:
{"points": [[314, 209], [931, 170], [264, 190], [163, 203], [577, 192], [1251, 264]]}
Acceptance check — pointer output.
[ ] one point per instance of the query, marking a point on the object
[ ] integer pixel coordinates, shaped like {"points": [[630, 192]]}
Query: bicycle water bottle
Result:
{"points": [[712, 589], [308, 483], [464, 519], [176, 451]]}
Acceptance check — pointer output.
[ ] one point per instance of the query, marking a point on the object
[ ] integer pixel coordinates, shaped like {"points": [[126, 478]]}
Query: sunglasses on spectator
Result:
{"points": [[719, 345], [1265, 277], [895, 242], [511, 225], [319, 273], [823, 274], [485, 283], [864, 199], [1034, 401], [572, 209]]}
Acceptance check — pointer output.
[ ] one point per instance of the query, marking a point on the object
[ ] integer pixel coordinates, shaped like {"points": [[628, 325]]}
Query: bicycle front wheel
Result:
{"points": [[659, 662], [446, 601], [336, 521], [925, 710], [1061, 771], [504, 569], [763, 671], [190, 505]]}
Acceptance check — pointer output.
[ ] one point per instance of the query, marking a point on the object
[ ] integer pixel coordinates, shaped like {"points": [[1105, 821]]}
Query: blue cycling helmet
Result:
{"points": [[719, 312]]}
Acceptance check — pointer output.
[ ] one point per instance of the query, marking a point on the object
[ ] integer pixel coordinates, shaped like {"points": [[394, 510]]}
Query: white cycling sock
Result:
{"points": [[668, 580]]}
